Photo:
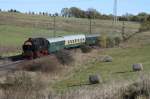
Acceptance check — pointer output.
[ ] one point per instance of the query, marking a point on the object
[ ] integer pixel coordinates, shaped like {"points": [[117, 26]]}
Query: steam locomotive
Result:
{"points": [[38, 47]]}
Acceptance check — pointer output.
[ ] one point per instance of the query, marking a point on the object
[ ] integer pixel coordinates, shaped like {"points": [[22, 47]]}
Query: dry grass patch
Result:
{"points": [[44, 64], [22, 85]]}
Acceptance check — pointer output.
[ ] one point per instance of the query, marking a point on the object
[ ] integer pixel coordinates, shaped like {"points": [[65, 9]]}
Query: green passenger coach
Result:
{"points": [[73, 41], [92, 39], [56, 44]]}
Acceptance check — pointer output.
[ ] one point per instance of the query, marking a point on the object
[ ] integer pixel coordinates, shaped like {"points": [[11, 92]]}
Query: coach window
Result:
{"points": [[80, 40], [70, 41]]}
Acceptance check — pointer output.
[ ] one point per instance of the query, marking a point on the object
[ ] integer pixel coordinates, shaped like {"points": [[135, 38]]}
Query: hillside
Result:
{"points": [[73, 78], [15, 28], [119, 70]]}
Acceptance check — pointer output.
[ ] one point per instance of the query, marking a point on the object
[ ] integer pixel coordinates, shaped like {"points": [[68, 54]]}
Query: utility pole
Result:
{"points": [[54, 26], [90, 31], [123, 31]]}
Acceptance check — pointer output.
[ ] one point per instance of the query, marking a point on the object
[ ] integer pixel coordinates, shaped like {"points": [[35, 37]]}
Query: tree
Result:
{"points": [[93, 13], [75, 12], [13, 10], [142, 16], [135, 18], [40, 13], [56, 14], [43, 13], [49, 14], [33, 13], [145, 25], [65, 12]]}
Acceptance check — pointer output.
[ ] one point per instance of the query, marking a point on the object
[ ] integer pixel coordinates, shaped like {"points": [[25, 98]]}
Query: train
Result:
{"points": [[38, 47]]}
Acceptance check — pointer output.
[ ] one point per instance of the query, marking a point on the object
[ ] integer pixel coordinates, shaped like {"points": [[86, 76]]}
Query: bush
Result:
{"points": [[145, 25], [103, 41], [64, 56], [21, 85], [110, 42], [44, 64], [85, 48], [137, 89], [117, 40]]}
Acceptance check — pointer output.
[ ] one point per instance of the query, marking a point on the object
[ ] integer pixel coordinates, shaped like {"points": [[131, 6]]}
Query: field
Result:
{"points": [[15, 28], [121, 67], [71, 81]]}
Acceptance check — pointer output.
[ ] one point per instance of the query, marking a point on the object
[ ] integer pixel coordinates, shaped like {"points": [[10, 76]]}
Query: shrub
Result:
{"points": [[44, 64], [117, 40], [64, 56], [85, 48], [103, 41], [145, 25], [110, 42], [137, 89], [21, 85]]}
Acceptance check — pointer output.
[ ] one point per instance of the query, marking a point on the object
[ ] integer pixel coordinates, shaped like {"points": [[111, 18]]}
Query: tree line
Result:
{"points": [[79, 13], [89, 13]]}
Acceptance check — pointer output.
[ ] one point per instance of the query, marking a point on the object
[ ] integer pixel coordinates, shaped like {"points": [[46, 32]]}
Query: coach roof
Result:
{"points": [[56, 39], [72, 37]]}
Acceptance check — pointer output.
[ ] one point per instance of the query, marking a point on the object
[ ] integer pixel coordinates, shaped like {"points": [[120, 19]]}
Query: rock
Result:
{"points": [[105, 58], [94, 79], [137, 67]]}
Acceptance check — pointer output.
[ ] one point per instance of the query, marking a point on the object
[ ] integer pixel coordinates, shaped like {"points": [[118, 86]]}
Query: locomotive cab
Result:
{"points": [[35, 47], [28, 49]]}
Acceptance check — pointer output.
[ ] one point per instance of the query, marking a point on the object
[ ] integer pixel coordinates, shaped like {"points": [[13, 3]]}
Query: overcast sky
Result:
{"points": [[103, 6]]}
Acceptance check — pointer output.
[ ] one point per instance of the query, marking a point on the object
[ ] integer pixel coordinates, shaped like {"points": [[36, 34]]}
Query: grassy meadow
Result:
{"points": [[71, 81], [118, 70], [21, 26]]}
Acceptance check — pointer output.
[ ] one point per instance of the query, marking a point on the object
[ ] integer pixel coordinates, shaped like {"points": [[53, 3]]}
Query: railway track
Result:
{"points": [[10, 66]]}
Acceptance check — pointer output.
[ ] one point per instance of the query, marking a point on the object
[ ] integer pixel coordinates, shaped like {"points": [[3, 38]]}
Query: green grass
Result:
{"points": [[64, 24], [15, 28], [15, 36], [120, 69]]}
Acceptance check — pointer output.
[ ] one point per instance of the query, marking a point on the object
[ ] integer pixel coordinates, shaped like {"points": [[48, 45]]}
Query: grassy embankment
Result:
{"points": [[118, 70]]}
